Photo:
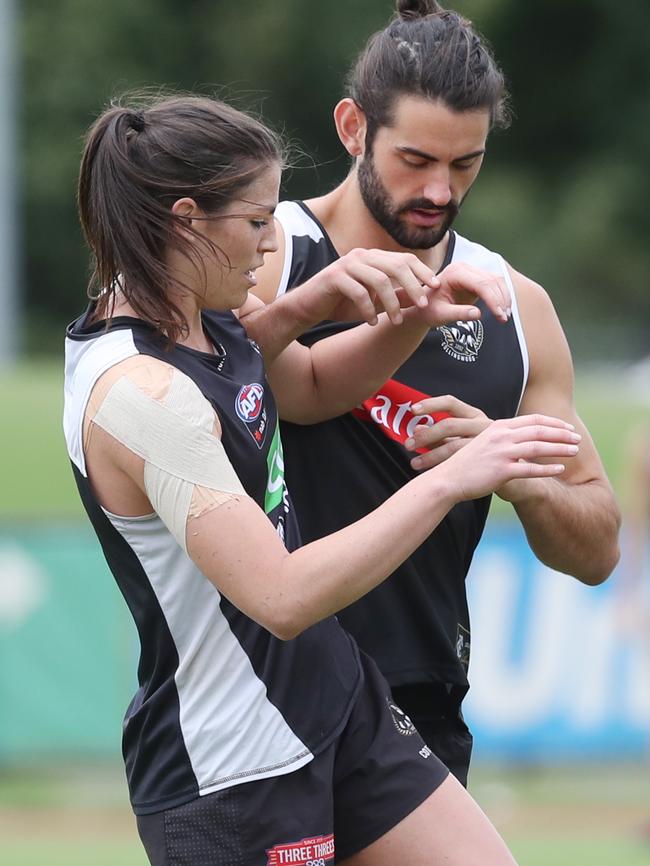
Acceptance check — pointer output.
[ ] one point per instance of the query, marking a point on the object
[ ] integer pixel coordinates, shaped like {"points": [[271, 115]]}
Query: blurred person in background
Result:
{"points": [[634, 584], [421, 101], [258, 734]]}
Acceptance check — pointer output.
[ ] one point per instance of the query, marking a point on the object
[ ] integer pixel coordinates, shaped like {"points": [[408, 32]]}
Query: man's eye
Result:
{"points": [[465, 165], [414, 161], [259, 224]]}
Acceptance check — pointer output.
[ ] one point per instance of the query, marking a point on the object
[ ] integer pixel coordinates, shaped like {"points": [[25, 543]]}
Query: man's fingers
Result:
{"points": [[445, 403], [429, 436]]}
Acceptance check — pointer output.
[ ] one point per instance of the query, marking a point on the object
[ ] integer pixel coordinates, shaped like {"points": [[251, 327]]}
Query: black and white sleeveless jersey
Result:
{"points": [[416, 624], [220, 700]]}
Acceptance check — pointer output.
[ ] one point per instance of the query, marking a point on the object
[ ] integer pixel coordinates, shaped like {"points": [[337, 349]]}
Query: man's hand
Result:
{"points": [[446, 436]]}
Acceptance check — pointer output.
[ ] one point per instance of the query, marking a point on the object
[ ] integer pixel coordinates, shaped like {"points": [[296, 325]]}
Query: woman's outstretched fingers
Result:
{"points": [[530, 446]]}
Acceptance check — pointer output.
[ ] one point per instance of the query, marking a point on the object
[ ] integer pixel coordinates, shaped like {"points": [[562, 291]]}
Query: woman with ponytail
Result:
{"points": [[259, 734]]}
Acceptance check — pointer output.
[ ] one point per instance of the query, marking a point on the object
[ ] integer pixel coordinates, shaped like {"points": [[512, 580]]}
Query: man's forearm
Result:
{"points": [[572, 528]]}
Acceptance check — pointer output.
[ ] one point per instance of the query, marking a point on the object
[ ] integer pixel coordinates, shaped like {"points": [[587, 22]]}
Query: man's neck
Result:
{"points": [[350, 225]]}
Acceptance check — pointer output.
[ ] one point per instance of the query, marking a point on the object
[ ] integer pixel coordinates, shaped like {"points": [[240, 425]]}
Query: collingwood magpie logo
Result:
{"points": [[462, 645], [404, 725], [462, 340]]}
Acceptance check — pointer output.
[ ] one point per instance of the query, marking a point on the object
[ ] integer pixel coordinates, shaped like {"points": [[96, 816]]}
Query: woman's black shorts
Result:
{"points": [[371, 777]]}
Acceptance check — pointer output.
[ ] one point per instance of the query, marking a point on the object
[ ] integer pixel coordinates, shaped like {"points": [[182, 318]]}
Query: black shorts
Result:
{"points": [[440, 722], [369, 779]]}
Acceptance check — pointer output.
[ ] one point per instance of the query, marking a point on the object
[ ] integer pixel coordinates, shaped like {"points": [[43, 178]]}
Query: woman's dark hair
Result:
{"points": [[139, 158], [427, 51]]}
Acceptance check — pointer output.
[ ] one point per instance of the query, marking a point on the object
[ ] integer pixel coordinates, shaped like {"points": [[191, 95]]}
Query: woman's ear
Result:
{"points": [[184, 211], [351, 126], [186, 208]]}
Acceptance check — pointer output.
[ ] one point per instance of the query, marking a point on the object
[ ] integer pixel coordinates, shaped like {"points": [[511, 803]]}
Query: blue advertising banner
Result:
{"points": [[559, 670]]}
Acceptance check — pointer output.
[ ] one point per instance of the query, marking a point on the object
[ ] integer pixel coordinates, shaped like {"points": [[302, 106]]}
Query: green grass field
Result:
{"points": [[562, 817], [38, 482], [37, 478]]}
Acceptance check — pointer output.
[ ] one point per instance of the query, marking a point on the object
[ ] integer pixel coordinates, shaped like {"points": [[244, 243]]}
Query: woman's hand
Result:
{"points": [[460, 287], [509, 449], [363, 283]]}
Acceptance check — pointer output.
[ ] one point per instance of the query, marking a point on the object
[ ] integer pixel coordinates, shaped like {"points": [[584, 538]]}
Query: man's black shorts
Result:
{"points": [[440, 722], [377, 772]]}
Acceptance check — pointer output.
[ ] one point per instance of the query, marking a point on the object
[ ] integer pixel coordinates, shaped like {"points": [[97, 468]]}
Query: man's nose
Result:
{"points": [[438, 187]]}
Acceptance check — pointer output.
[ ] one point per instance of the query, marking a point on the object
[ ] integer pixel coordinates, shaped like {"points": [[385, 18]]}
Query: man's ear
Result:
{"points": [[351, 126]]}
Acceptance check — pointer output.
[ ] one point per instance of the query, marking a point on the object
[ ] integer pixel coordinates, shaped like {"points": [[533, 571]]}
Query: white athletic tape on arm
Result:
{"points": [[175, 437]]}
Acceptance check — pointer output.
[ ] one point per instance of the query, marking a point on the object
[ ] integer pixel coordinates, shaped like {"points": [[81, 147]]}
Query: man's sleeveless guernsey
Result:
{"points": [[415, 624], [220, 700]]}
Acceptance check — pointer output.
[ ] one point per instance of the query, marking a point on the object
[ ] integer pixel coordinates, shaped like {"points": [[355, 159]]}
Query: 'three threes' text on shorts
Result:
{"points": [[371, 777]]}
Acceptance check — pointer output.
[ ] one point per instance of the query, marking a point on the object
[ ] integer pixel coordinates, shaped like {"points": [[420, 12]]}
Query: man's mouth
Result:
{"points": [[426, 218]]}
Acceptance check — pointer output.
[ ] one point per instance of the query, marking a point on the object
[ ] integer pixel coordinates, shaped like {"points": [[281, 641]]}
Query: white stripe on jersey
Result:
{"points": [[480, 257], [232, 732], [295, 223], [85, 362]]}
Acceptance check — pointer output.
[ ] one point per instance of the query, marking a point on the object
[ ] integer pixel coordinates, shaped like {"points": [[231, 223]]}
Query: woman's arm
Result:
{"points": [[354, 288], [332, 376], [135, 468]]}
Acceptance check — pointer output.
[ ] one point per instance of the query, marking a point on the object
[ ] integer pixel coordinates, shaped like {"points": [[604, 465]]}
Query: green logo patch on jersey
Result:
{"points": [[275, 475]]}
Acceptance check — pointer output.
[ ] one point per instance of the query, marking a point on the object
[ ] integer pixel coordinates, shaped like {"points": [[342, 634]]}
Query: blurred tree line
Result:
{"points": [[563, 194]]}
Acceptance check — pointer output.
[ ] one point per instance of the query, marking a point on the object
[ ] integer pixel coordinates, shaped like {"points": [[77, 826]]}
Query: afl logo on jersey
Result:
{"points": [[249, 406], [462, 340], [249, 402]]}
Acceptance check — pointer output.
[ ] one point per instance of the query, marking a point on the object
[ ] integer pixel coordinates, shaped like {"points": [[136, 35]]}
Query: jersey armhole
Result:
{"points": [[519, 328], [288, 256]]}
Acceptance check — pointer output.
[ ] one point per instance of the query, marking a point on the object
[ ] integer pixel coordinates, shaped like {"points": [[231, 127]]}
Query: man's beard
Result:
{"points": [[389, 216]]}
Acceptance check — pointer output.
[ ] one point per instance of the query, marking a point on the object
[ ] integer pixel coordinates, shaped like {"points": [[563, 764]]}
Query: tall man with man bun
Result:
{"points": [[420, 102]]}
